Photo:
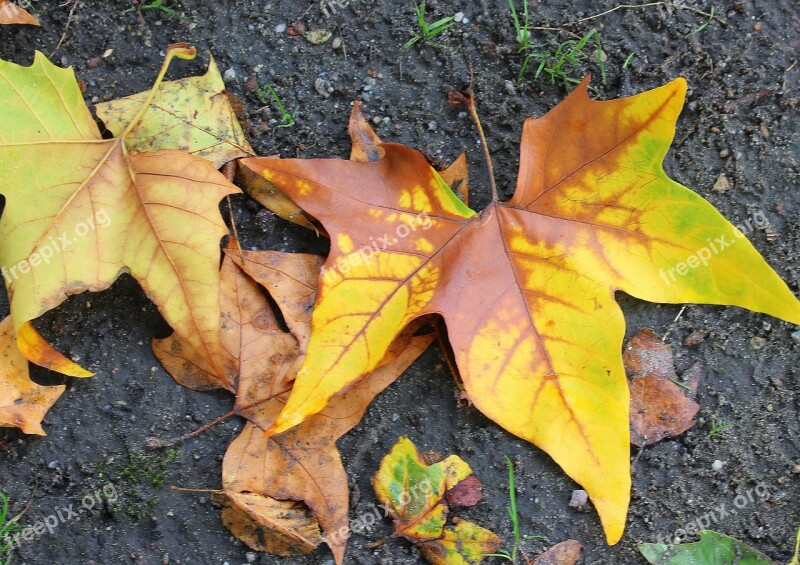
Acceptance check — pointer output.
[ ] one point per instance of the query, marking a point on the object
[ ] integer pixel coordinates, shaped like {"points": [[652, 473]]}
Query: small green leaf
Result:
{"points": [[713, 548]]}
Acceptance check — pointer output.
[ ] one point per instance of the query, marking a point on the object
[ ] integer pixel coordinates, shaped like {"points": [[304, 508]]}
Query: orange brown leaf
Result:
{"points": [[526, 287], [10, 13]]}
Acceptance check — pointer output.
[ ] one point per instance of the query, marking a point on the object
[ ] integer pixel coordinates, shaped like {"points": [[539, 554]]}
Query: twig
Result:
{"points": [[66, 27], [710, 16], [672, 325]]}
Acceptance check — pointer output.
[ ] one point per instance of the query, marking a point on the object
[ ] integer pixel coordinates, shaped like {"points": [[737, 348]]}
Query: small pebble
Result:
{"points": [[53, 465], [251, 557], [717, 465], [724, 153], [280, 28], [757, 26], [459, 17], [337, 43], [510, 88], [323, 87], [229, 75], [93, 62], [722, 184], [432, 125], [376, 120], [796, 337], [465, 21], [757, 343], [579, 499]]}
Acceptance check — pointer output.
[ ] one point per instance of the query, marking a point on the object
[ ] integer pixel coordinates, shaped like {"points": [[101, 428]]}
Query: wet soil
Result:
{"points": [[740, 121]]}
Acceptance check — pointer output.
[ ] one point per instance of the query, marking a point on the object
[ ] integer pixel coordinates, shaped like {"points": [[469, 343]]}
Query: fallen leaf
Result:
{"points": [[464, 543], [659, 407], [468, 492], [413, 492], [191, 114], [366, 148], [713, 547], [281, 527], [23, 403], [108, 211], [13, 14], [303, 465], [526, 288], [565, 553]]}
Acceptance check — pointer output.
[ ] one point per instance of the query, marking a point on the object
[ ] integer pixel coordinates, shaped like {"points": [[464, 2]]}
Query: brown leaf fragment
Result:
{"points": [[564, 553], [366, 143], [457, 177], [696, 337], [468, 492], [659, 407], [13, 14], [281, 527], [290, 278]]}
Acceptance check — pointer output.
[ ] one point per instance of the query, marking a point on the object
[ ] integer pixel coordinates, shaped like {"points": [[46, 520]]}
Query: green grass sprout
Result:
{"points": [[287, 118], [428, 31], [154, 5]]}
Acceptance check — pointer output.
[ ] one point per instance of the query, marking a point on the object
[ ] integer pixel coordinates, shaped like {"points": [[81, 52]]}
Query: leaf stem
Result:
{"points": [[180, 50], [473, 112]]}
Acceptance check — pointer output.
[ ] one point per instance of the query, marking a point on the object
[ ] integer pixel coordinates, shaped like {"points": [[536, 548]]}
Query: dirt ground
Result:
{"points": [[740, 121]]}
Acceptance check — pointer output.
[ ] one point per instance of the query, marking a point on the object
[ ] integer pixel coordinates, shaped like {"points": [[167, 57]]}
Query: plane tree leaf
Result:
{"points": [[526, 287], [191, 114], [713, 547], [23, 403], [303, 465], [365, 148], [414, 492], [415, 495], [10, 13], [80, 210]]}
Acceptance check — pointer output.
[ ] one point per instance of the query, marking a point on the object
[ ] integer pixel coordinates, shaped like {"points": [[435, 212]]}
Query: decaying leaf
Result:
{"points": [[303, 465], [281, 527], [416, 497], [107, 211], [191, 114], [565, 553], [10, 13], [526, 288], [413, 492], [23, 403], [659, 407], [463, 543], [713, 547]]}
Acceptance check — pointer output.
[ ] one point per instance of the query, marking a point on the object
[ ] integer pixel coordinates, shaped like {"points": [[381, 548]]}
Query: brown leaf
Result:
{"points": [[564, 553], [468, 492], [659, 407], [303, 465], [281, 527], [13, 14]]}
